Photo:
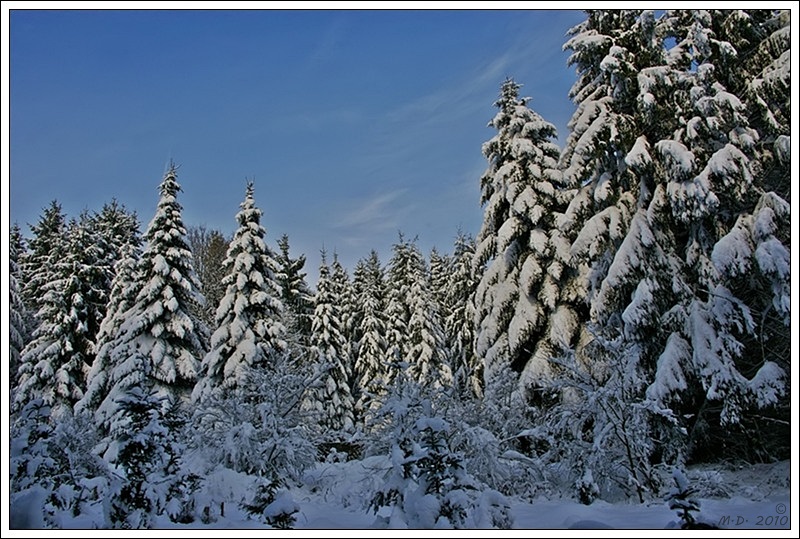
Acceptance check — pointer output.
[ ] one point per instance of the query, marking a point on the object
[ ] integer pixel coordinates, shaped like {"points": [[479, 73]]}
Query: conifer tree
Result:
{"points": [[18, 252], [45, 247], [249, 326], [297, 298], [397, 307], [54, 365], [330, 400], [733, 253], [142, 453], [425, 354], [459, 319], [161, 340], [348, 314], [514, 254], [415, 338], [17, 330], [17, 244], [370, 366], [117, 228], [439, 270], [124, 289], [661, 227]]}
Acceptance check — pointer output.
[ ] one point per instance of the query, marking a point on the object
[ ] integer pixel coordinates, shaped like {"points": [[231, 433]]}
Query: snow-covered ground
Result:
{"points": [[754, 498], [335, 496]]}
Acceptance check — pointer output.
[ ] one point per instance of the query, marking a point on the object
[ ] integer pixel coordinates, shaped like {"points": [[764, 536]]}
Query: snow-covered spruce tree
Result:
{"points": [[647, 265], [682, 499], [439, 269], [397, 307], [159, 339], [514, 258], [55, 364], [348, 314], [613, 52], [163, 325], [17, 245], [45, 246], [17, 315], [753, 257], [733, 263], [297, 299], [18, 252], [613, 255], [370, 358], [329, 400], [98, 379], [459, 319], [117, 234], [617, 94], [425, 352], [249, 325], [143, 458], [415, 337], [116, 228], [209, 248]]}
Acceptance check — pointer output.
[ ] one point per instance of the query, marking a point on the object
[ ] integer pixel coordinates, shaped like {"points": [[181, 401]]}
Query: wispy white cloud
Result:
{"points": [[376, 212], [531, 53]]}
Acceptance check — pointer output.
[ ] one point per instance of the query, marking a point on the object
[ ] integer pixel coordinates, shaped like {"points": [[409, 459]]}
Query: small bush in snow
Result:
{"points": [[427, 485], [587, 489], [54, 461], [257, 428], [681, 498], [272, 504]]}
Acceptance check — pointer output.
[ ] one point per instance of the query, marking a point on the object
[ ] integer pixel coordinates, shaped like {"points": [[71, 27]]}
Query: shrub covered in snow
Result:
{"points": [[427, 485], [273, 504], [53, 462], [257, 428]]}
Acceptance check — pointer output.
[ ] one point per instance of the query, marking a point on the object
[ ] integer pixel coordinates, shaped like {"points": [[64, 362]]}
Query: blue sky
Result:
{"points": [[355, 124]]}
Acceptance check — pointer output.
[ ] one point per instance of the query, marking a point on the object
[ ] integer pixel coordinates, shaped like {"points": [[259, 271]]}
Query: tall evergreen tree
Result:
{"points": [[18, 252], [17, 244], [514, 254], [117, 228], [661, 159], [330, 400], [348, 314], [55, 364], [161, 340], [415, 337], [440, 266], [45, 247], [623, 270], [17, 330], [370, 367], [398, 313], [426, 356], [733, 253], [124, 289], [459, 319], [249, 328], [297, 298]]}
